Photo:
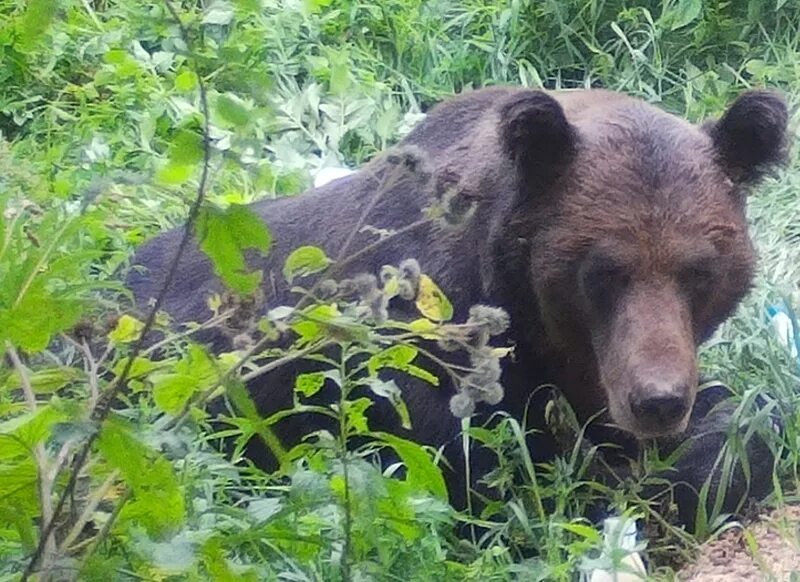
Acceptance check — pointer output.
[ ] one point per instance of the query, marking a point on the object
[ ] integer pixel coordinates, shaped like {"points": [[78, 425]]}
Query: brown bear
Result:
{"points": [[612, 232]]}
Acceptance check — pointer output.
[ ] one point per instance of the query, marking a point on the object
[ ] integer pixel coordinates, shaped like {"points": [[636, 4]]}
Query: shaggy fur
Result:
{"points": [[612, 232]]}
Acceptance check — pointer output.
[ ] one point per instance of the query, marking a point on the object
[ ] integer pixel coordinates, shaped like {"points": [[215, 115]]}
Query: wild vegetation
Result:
{"points": [[121, 119]]}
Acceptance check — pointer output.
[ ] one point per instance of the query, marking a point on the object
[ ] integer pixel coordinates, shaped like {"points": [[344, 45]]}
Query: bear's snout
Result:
{"points": [[661, 406]]}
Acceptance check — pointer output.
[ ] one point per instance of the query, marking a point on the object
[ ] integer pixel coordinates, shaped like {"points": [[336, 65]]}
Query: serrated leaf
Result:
{"points": [[32, 323], [158, 503], [398, 356], [421, 472], [193, 373], [304, 261], [127, 330], [310, 383], [171, 393], [19, 435], [186, 149], [432, 302], [225, 236]]}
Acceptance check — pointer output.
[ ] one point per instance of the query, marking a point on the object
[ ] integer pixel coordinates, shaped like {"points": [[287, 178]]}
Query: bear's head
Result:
{"points": [[638, 240]]}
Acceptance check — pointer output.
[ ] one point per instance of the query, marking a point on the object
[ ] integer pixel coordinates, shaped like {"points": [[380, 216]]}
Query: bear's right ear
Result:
{"points": [[536, 135], [751, 136]]}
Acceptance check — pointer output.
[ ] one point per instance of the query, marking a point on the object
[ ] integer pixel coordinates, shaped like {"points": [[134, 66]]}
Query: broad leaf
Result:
{"points": [[303, 261], [225, 235]]}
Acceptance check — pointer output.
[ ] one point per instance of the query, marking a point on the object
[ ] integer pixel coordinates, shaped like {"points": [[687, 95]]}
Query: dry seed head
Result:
{"points": [[462, 405], [494, 319]]}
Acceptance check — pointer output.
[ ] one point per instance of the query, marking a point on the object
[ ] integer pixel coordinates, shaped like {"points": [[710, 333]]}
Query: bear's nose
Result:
{"points": [[658, 408]]}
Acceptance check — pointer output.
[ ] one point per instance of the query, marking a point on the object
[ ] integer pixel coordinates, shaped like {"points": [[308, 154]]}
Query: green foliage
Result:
{"points": [[225, 235], [102, 144]]}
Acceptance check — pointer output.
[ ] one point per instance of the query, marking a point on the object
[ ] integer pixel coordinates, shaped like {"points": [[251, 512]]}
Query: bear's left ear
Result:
{"points": [[751, 136], [535, 134]]}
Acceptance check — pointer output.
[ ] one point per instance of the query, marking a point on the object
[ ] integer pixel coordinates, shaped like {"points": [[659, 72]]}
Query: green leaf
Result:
{"points": [[46, 380], [263, 509], [19, 435], [309, 384], [400, 357], [391, 391], [157, 503], [355, 415], [174, 174], [219, 13], [195, 372], [232, 110], [225, 236], [186, 81], [304, 261], [173, 392], [35, 22], [32, 323], [186, 149], [340, 73], [244, 405], [421, 473], [127, 330], [584, 531], [683, 13]]}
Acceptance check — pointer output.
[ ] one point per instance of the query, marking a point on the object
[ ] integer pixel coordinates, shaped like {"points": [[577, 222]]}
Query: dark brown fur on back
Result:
{"points": [[612, 232]]}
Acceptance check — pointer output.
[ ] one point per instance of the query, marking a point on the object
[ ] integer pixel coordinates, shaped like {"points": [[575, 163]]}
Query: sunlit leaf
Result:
{"points": [[432, 302], [127, 330], [310, 383], [303, 261]]}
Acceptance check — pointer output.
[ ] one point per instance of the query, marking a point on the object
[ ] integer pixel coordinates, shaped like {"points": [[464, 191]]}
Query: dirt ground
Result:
{"points": [[764, 551]]}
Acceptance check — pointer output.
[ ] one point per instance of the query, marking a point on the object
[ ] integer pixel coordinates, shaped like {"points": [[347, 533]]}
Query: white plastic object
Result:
{"points": [[620, 533], [784, 330], [327, 175]]}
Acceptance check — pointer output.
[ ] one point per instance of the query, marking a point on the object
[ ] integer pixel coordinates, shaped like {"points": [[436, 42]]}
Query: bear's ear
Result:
{"points": [[751, 136], [535, 133]]}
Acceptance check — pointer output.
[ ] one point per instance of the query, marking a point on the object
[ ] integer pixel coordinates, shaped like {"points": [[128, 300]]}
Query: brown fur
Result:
{"points": [[612, 232]]}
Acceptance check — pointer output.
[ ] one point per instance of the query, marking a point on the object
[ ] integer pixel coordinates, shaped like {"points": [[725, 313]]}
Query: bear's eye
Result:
{"points": [[698, 278], [602, 282]]}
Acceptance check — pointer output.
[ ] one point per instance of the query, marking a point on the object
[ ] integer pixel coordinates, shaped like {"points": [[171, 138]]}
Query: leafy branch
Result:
{"points": [[103, 407]]}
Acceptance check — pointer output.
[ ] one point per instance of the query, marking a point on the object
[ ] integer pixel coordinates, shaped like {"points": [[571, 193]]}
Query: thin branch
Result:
{"points": [[91, 506], [44, 479], [103, 408]]}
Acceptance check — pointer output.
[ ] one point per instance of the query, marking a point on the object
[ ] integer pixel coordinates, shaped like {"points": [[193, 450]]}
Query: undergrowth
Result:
{"points": [[116, 120]]}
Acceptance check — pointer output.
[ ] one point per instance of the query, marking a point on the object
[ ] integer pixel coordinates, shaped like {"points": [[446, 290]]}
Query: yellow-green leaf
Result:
{"points": [[127, 330], [432, 302]]}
